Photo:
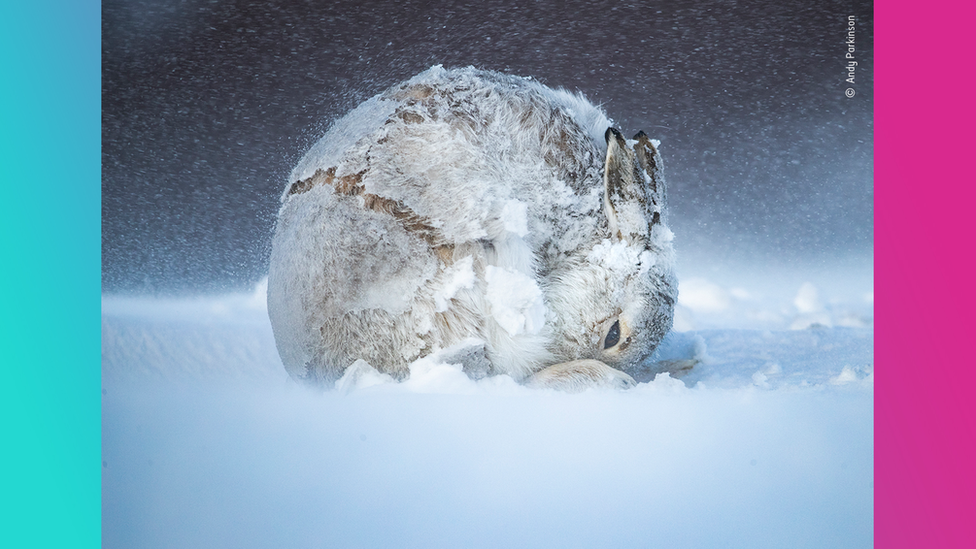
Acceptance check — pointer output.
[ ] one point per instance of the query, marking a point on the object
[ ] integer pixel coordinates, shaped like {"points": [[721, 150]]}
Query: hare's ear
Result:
{"points": [[631, 197], [650, 162]]}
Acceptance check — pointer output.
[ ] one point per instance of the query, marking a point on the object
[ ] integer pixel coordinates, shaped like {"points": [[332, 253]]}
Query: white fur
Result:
{"points": [[466, 205]]}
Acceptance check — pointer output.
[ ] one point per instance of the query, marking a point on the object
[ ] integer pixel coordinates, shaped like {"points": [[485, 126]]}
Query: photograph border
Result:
{"points": [[924, 424]]}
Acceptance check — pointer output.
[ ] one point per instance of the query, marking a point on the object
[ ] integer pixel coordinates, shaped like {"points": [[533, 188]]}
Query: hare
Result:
{"points": [[485, 217]]}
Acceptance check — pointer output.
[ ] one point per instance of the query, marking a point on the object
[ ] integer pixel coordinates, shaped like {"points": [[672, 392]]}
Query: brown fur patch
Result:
{"points": [[352, 185], [410, 117], [319, 177], [445, 253], [410, 221], [348, 185], [415, 92]]}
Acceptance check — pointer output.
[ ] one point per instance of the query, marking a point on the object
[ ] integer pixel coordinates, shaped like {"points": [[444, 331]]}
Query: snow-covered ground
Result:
{"points": [[767, 442]]}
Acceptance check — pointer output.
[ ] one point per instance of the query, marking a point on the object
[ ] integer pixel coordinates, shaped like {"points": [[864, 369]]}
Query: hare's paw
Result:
{"points": [[678, 368], [579, 375]]}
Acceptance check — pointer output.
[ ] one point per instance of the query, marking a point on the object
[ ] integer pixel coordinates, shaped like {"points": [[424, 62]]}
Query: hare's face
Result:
{"points": [[615, 304], [616, 307]]}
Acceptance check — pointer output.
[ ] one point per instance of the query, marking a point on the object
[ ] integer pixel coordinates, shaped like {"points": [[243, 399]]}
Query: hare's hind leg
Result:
{"points": [[579, 375]]}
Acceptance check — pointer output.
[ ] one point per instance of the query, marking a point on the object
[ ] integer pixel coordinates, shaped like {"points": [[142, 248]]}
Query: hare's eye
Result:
{"points": [[613, 336]]}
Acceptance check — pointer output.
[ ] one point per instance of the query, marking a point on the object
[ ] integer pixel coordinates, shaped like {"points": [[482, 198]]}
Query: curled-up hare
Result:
{"points": [[488, 218]]}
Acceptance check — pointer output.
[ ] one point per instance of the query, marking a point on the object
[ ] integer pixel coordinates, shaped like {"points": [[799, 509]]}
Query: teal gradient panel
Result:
{"points": [[50, 344]]}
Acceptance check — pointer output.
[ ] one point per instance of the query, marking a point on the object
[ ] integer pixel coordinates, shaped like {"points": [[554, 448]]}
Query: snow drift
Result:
{"points": [[766, 443]]}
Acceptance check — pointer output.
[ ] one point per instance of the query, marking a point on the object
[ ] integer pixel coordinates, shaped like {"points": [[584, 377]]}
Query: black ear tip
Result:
{"points": [[611, 131], [639, 135]]}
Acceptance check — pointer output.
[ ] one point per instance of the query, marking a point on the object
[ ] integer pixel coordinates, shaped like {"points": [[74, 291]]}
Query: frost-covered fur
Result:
{"points": [[481, 216]]}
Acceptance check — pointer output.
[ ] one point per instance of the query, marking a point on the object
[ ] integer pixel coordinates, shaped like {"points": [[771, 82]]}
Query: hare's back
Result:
{"points": [[453, 149]]}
